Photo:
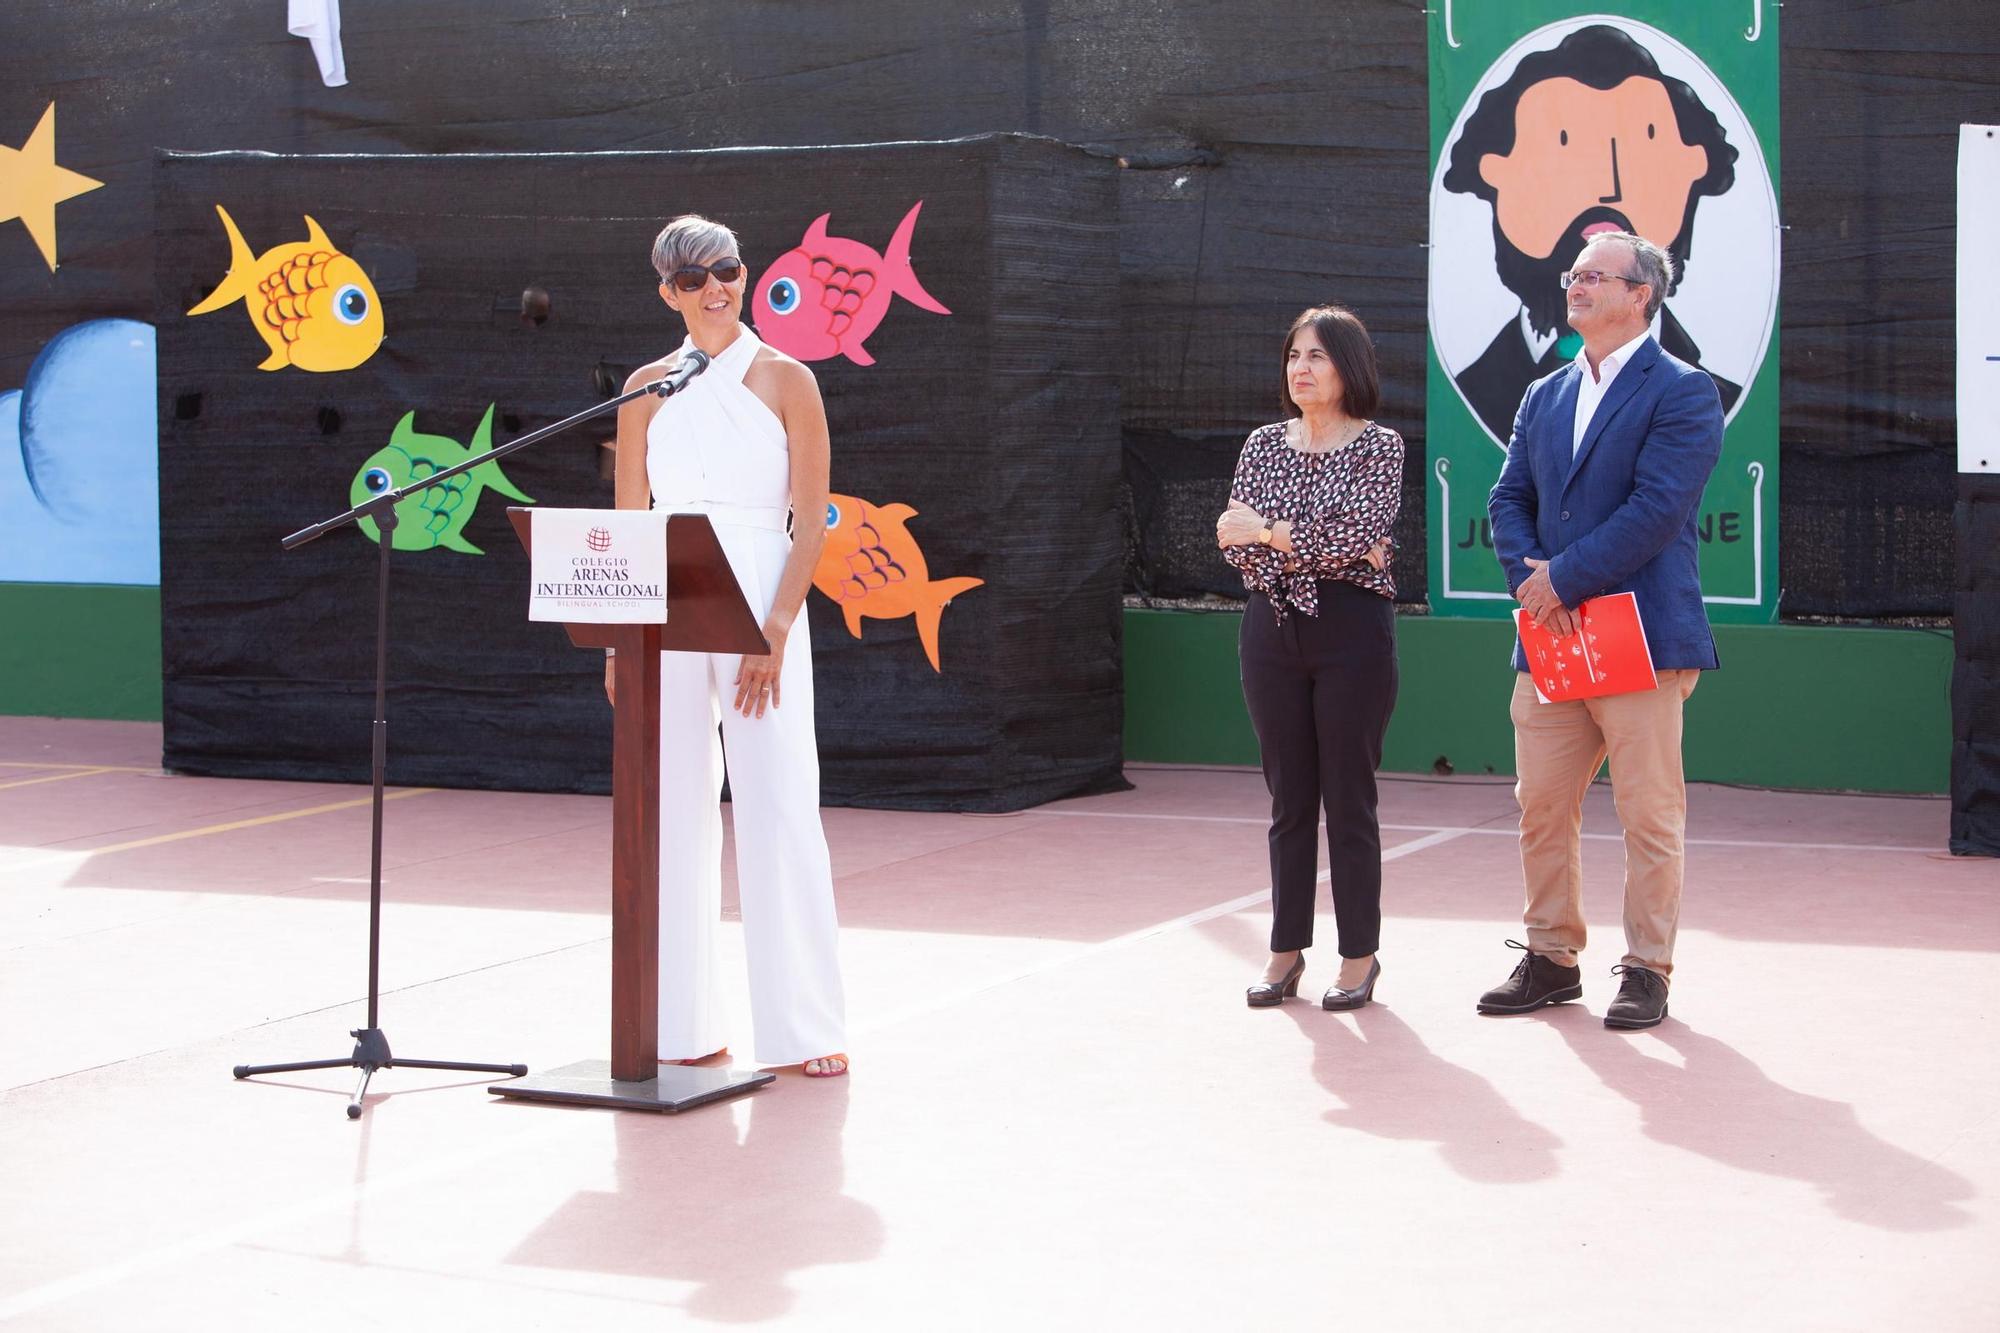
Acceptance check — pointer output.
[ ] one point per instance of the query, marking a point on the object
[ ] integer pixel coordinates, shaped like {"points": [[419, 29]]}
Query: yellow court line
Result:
{"points": [[233, 825], [56, 777], [95, 768]]}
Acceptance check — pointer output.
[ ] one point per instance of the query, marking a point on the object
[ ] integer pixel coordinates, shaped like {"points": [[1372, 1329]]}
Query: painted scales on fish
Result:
{"points": [[435, 517], [871, 566], [824, 297]]}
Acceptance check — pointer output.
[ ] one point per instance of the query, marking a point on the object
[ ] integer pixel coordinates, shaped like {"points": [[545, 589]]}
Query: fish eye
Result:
{"points": [[350, 304], [832, 509], [376, 480], [784, 298]]}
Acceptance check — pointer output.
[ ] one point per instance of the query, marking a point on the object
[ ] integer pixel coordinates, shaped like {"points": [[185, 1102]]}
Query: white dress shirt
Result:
{"points": [[1590, 389]]}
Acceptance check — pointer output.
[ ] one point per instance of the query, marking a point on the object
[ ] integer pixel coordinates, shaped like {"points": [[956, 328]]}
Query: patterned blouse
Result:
{"points": [[1340, 503]]}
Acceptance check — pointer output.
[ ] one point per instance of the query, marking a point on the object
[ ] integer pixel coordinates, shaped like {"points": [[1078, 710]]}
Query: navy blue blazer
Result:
{"points": [[1620, 515]]}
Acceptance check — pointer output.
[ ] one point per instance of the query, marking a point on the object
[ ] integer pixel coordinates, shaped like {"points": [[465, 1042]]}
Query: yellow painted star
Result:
{"points": [[31, 185]]}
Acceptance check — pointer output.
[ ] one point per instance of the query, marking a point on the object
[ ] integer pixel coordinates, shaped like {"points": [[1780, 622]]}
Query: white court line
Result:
{"points": [[1501, 832], [904, 1015], [91, 1279], [1792, 846]]}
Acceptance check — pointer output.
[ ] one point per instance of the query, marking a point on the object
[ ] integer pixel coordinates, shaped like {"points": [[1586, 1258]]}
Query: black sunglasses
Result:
{"points": [[694, 277]]}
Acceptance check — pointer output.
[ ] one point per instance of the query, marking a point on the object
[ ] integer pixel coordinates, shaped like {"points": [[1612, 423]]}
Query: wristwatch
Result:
{"points": [[1264, 537]]}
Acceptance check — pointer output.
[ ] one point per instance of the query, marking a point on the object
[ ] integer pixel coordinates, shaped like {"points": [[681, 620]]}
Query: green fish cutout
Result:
{"points": [[436, 517]]}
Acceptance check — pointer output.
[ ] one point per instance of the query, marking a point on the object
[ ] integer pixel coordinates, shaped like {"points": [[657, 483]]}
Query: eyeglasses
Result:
{"points": [[1590, 277], [694, 277]]}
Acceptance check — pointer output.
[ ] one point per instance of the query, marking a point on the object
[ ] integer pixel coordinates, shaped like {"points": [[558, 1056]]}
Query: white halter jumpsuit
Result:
{"points": [[715, 448]]}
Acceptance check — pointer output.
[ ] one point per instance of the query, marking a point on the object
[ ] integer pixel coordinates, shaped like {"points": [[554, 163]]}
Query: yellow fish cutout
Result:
{"points": [[312, 305]]}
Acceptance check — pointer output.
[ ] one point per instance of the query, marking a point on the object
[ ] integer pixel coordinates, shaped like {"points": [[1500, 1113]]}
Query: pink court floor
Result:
{"points": [[1061, 1116]]}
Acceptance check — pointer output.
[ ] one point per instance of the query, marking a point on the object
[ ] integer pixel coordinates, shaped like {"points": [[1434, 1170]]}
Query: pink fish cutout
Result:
{"points": [[823, 298]]}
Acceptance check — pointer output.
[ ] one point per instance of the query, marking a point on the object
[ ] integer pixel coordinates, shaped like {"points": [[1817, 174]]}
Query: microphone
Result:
{"points": [[692, 364]]}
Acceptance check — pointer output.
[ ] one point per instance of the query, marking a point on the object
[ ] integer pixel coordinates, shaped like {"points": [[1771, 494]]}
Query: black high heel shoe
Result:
{"points": [[1337, 999], [1266, 994]]}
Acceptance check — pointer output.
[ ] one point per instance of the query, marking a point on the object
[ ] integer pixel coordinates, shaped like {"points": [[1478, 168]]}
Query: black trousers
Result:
{"points": [[1320, 690]]}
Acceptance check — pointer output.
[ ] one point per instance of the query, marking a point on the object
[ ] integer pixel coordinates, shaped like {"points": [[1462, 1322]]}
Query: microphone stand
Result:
{"points": [[371, 1046]]}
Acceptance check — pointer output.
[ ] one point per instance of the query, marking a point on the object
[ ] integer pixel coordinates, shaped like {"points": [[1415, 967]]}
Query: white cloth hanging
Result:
{"points": [[318, 21]]}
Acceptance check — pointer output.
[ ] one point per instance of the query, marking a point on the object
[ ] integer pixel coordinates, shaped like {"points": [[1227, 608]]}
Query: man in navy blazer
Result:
{"points": [[1603, 477]]}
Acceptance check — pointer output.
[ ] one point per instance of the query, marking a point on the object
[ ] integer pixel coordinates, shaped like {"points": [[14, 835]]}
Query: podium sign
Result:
{"points": [[598, 566]]}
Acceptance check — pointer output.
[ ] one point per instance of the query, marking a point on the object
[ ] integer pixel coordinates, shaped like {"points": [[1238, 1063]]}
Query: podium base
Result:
{"points": [[589, 1083]]}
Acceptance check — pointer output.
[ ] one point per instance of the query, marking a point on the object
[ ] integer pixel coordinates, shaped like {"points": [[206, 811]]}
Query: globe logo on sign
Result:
{"points": [[598, 539]]}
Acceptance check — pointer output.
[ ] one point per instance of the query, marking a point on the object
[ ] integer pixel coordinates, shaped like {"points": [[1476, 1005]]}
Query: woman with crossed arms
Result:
{"points": [[1308, 526]]}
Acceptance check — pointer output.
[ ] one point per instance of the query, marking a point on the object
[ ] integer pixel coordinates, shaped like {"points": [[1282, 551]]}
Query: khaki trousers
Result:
{"points": [[1558, 748]]}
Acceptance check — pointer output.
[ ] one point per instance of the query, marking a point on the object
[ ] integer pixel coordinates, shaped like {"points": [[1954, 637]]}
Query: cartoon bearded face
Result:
{"points": [[1578, 149], [1584, 138]]}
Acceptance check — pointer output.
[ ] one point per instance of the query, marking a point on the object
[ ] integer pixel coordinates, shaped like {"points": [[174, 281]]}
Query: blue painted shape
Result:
{"points": [[79, 460], [15, 492]]}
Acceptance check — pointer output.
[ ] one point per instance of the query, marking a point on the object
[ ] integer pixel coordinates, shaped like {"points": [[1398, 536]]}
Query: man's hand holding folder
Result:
{"points": [[1606, 653]]}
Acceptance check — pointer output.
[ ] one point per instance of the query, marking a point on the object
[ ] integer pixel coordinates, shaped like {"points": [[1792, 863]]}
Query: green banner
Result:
{"points": [[1552, 121]]}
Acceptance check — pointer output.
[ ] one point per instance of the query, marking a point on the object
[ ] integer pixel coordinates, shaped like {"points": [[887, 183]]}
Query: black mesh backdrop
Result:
{"points": [[1871, 101], [1272, 163], [1975, 676], [997, 423]]}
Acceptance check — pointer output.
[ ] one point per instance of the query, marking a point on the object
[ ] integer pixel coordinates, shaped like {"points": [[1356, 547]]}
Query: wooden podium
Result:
{"points": [[706, 613]]}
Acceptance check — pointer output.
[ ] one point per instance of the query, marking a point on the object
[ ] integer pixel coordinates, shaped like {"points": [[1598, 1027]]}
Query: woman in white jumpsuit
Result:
{"points": [[746, 443]]}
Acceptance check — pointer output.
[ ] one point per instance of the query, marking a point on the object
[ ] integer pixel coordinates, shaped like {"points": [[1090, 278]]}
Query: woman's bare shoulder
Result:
{"points": [[782, 368], [781, 381]]}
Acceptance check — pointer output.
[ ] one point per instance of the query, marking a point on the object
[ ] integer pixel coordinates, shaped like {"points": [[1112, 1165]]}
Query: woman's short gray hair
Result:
{"points": [[1655, 267], [691, 239]]}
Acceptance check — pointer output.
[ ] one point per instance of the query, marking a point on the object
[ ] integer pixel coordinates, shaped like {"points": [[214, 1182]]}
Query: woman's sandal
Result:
{"points": [[830, 1066], [699, 1059]]}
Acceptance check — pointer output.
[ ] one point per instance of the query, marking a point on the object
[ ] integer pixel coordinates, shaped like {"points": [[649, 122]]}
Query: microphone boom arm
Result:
{"points": [[665, 387]]}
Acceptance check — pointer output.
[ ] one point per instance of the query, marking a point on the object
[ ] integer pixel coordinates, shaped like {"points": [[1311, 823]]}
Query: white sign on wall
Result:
{"points": [[599, 566], [1978, 310]]}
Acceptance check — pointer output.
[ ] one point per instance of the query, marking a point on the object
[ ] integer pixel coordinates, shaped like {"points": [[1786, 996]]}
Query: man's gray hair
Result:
{"points": [[691, 239], [1652, 266]]}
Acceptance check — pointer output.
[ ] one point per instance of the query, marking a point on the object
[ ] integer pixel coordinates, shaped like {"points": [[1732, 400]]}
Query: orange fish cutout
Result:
{"points": [[871, 566], [313, 306]]}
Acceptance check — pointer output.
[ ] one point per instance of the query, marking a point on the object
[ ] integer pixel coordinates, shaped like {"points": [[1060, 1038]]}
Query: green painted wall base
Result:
{"points": [[80, 650], [1830, 708], [1834, 708]]}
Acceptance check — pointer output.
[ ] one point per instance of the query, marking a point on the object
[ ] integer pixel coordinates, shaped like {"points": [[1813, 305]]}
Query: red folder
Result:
{"points": [[1606, 655]]}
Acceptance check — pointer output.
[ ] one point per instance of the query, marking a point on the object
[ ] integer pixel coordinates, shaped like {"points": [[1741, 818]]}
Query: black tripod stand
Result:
{"points": [[371, 1046]]}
